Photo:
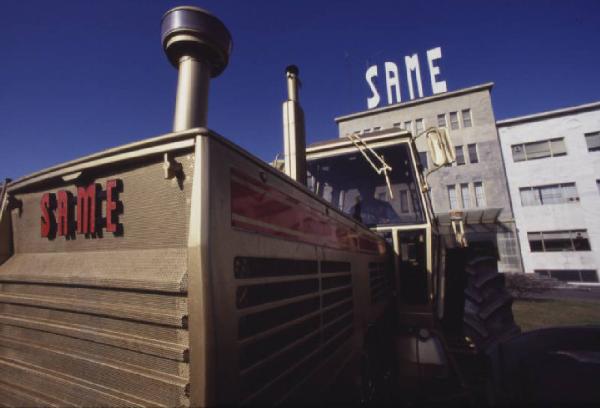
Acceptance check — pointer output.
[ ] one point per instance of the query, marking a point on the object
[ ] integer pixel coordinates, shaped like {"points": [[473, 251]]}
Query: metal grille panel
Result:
{"points": [[378, 282], [99, 321], [290, 322], [98, 345]]}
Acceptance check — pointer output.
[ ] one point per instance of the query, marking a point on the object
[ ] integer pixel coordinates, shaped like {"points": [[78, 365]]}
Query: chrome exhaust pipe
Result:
{"points": [[294, 139], [199, 45]]}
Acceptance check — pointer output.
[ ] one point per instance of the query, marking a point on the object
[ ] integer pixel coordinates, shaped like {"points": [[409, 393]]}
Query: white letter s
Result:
{"points": [[371, 73]]}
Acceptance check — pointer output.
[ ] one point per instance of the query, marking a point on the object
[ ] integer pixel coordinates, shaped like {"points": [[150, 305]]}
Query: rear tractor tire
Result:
{"points": [[488, 319]]}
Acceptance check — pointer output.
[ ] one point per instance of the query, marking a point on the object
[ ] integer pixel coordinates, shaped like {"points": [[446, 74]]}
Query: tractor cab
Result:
{"points": [[378, 180]]}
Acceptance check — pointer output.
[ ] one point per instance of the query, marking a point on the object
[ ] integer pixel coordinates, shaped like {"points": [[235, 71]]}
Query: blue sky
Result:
{"points": [[81, 76]]}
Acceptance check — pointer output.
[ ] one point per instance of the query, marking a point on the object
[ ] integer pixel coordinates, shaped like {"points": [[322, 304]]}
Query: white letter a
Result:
{"points": [[392, 82]]}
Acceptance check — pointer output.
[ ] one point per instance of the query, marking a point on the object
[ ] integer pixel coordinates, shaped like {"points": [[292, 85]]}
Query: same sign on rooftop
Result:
{"points": [[392, 77]]}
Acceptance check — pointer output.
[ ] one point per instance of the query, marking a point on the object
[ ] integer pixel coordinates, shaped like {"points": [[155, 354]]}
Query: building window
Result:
{"points": [[397, 125], [551, 194], [557, 241], [441, 118], [403, 201], [466, 117], [408, 125], [473, 158], [479, 194], [539, 150], [367, 130], [453, 200], [460, 156], [593, 141], [419, 126], [570, 275], [557, 146], [423, 160], [508, 251], [465, 196], [454, 120], [598, 185], [518, 152], [376, 128]]}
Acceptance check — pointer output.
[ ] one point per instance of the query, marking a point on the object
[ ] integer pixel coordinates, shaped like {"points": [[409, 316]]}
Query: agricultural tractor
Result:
{"points": [[181, 270]]}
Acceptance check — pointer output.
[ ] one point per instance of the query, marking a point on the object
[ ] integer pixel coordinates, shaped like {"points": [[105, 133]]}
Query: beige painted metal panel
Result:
{"points": [[158, 316], [202, 355], [162, 269], [244, 373], [101, 321], [111, 157], [154, 212]]}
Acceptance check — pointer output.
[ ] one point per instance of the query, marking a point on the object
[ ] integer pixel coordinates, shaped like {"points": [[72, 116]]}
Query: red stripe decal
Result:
{"points": [[259, 208]]}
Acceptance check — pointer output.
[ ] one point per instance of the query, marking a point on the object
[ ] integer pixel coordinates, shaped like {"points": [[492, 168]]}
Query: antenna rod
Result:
{"points": [[294, 140]]}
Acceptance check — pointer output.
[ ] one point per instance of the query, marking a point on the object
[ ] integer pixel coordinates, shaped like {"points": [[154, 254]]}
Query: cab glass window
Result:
{"points": [[350, 183]]}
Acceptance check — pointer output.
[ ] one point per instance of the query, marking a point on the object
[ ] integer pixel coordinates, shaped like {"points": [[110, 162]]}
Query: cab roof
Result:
{"points": [[377, 136]]}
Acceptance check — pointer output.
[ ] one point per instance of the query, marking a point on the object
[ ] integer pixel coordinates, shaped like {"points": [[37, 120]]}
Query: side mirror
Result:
{"points": [[440, 147]]}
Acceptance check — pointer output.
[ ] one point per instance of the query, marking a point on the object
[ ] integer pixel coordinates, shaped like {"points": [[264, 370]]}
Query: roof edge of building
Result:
{"points": [[548, 114], [400, 105]]}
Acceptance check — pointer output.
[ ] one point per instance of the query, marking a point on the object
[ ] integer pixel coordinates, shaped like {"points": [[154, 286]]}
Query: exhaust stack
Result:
{"points": [[294, 140], [199, 45]]}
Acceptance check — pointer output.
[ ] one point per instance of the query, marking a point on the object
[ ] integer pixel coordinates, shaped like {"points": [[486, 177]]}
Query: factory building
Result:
{"points": [[552, 162]]}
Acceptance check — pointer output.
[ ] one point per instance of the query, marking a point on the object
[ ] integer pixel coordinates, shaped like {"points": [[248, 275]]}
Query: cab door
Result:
{"points": [[413, 275]]}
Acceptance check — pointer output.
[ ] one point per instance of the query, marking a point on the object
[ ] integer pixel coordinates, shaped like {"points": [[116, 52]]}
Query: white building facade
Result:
{"points": [[552, 162]]}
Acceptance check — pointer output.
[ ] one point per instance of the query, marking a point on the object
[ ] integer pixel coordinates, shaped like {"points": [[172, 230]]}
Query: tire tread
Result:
{"points": [[488, 319]]}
